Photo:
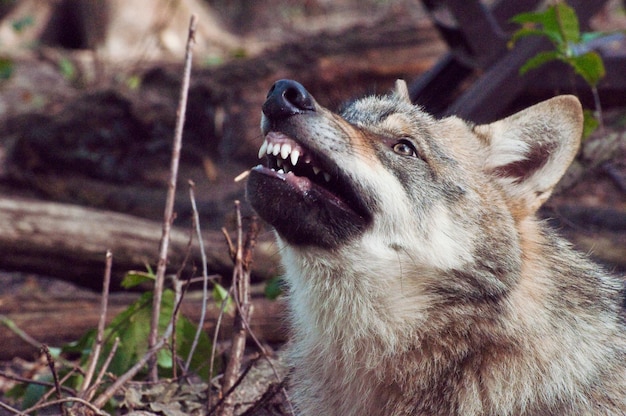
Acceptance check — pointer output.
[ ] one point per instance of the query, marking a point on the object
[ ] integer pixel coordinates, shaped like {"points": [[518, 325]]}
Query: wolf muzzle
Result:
{"points": [[301, 188]]}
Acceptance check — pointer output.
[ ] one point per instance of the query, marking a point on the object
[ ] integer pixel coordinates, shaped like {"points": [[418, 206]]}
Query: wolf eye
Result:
{"points": [[404, 148]]}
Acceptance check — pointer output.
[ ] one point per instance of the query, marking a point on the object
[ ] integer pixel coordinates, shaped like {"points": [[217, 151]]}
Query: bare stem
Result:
{"points": [[92, 407], [95, 352], [12, 410], [205, 275], [6, 321], [168, 216], [55, 376], [598, 105], [241, 295], [105, 366]]}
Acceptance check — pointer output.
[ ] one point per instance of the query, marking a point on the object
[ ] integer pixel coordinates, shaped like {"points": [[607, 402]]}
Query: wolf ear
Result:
{"points": [[402, 91], [530, 151]]}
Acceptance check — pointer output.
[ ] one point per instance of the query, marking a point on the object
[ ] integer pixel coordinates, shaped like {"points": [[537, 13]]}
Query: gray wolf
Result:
{"points": [[420, 281]]}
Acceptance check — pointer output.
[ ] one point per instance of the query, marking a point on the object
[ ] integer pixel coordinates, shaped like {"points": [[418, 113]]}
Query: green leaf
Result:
{"points": [[540, 59], [220, 294], [6, 68], [524, 32], [67, 68], [34, 392], [543, 24], [552, 28], [135, 278], [529, 17], [274, 287], [133, 82], [567, 22], [589, 66], [164, 358], [590, 123], [199, 364]]}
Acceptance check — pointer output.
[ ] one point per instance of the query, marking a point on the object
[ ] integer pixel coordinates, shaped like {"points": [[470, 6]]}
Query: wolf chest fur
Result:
{"points": [[420, 281]]}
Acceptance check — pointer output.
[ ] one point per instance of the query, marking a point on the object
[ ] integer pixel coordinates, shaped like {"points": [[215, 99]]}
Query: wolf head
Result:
{"points": [[383, 169], [383, 199]]}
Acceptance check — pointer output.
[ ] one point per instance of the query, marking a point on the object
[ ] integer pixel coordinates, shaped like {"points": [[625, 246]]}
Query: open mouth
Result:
{"points": [[303, 194], [285, 156]]}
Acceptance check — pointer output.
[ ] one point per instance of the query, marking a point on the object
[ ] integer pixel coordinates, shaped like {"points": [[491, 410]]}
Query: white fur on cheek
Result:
{"points": [[439, 242]]}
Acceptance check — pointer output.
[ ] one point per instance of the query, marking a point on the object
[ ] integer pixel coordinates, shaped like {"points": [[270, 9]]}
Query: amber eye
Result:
{"points": [[404, 148]]}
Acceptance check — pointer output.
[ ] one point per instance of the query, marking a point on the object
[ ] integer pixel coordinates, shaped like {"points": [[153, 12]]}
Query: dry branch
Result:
{"points": [[168, 216]]}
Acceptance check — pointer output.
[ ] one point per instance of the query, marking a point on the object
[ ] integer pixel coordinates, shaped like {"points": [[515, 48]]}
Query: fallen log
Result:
{"points": [[69, 242], [59, 318]]}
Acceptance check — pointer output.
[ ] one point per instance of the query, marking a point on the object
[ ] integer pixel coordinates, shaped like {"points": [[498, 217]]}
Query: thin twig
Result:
{"points": [[103, 370], [232, 389], [251, 238], [6, 321], [205, 275], [232, 251], [12, 409], [128, 375], [218, 325], [91, 406], [95, 352], [26, 380], [66, 377], [180, 290], [57, 386], [168, 216], [178, 300], [241, 285]]}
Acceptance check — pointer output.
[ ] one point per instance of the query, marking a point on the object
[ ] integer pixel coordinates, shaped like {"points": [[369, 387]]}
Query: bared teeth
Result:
{"points": [[285, 150], [263, 149], [295, 155], [287, 155]]}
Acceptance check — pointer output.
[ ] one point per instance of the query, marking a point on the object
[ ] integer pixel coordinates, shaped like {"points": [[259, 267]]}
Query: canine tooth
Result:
{"points": [[279, 163], [263, 149], [327, 176], [270, 147], [281, 171], [275, 150], [285, 150], [295, 155], [316, 170]]}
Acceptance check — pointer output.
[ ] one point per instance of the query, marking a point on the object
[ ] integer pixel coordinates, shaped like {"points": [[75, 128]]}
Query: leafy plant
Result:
{"points": [[560, 25], [6, 68]]}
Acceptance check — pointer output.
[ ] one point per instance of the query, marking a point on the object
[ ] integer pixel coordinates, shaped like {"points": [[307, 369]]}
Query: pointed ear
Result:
{"points": [[530, 151], [402, 91]]}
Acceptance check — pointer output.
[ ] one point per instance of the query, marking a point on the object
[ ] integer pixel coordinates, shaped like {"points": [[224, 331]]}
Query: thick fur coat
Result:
{"points": [[420, 281]]}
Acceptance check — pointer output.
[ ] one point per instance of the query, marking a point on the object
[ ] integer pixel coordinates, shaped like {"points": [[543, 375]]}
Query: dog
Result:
{"points": [[419, 279]]}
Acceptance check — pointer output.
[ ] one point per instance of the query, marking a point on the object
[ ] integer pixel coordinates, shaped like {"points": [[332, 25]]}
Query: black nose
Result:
{"points": [[287, 98]]}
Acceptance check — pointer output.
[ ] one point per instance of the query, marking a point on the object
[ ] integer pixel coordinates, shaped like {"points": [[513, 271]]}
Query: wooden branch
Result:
{"points": [[60, 318], [69, 242]]}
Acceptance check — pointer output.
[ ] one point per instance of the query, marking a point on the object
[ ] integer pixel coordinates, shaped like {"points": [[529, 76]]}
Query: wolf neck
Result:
{"points": [[371, 303]]}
